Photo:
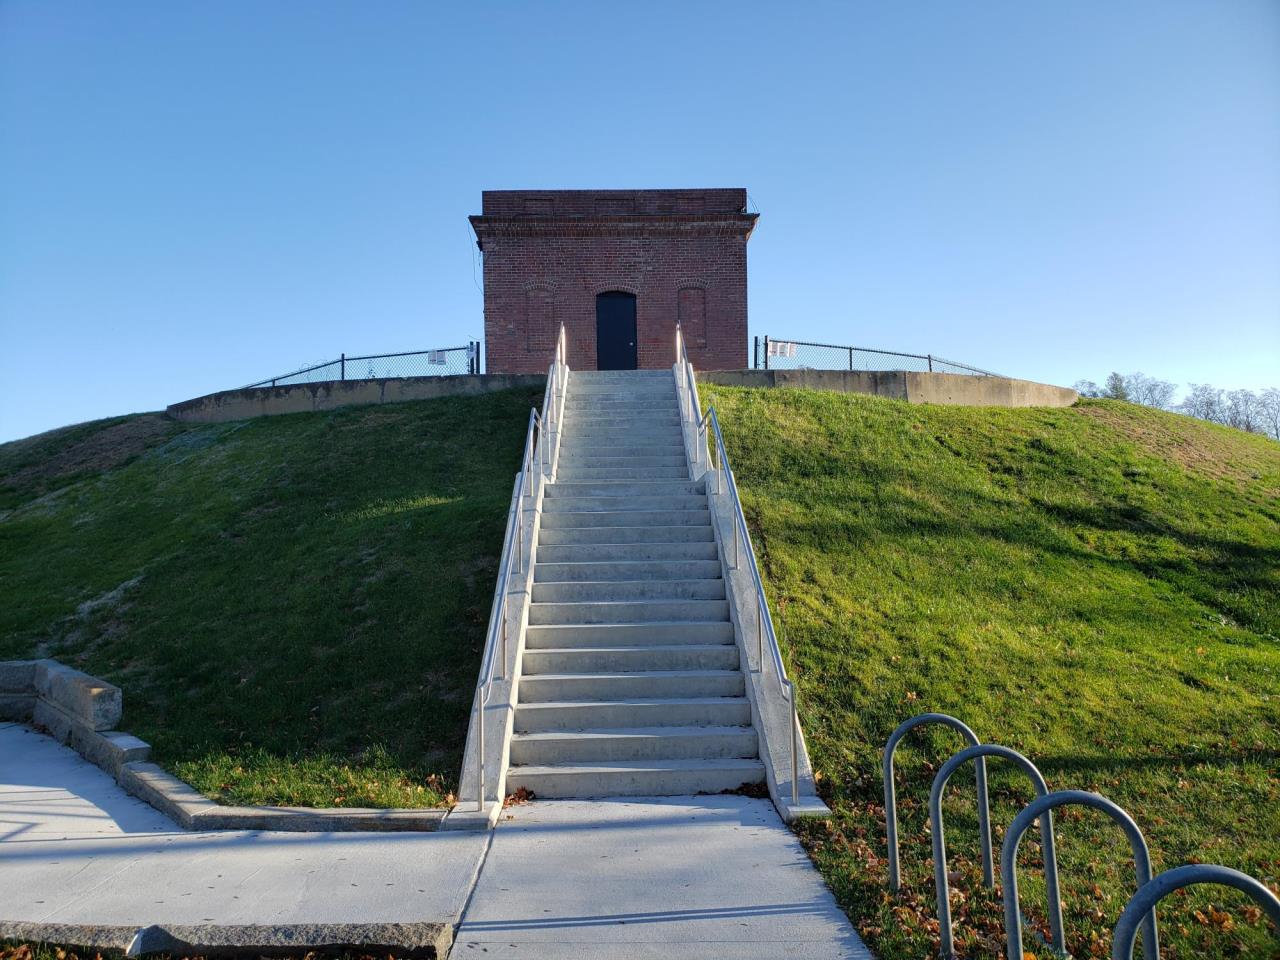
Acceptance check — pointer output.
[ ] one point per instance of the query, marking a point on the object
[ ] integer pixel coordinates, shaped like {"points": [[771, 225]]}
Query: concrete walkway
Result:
{"points": [[672, 877], [76, 849]]}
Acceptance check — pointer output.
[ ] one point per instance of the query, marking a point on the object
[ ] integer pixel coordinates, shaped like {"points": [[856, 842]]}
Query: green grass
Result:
{"points": [[1096, 587], [294, 606]]}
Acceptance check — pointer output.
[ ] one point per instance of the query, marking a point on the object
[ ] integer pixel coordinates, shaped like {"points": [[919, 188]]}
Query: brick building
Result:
{"points": [[618, 268]]}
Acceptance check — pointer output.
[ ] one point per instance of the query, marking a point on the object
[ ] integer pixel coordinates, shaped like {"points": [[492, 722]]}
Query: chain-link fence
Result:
{"points": [[447, 361], [773, 354]]}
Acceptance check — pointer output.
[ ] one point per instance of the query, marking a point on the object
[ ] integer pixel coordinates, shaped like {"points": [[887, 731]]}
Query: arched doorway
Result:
{"points": [[615, 331]]}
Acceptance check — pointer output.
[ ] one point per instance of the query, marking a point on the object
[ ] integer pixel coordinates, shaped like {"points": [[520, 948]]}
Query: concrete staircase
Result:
{"points": [[630, 680]]}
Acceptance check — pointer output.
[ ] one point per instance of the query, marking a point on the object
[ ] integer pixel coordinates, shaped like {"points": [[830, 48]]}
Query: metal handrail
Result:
{"points": [[544, 427], [741, 543]]}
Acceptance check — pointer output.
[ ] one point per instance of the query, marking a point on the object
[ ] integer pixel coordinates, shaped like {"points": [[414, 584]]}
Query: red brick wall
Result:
{"points": [[547, 253]]}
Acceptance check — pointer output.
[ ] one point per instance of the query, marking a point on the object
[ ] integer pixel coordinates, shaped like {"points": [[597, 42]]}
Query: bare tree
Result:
{"points": [[1115, 387], [1205, 401], [1149, 391], [1243, 411], [1269, 411], [1254, 411]]}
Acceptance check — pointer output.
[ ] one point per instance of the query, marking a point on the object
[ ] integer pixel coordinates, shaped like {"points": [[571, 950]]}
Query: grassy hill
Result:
{"points": [[294, 606], [1096, 587]]}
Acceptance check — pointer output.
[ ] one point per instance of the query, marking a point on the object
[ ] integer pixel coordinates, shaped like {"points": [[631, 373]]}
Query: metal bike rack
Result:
{"points": [[891, 800], [1009, 863], [1143, 903], [941, 885], [1139, 913]]}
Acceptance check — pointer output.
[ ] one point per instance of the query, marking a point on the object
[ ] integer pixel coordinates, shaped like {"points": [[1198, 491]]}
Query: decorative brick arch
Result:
{"points": [[619, 286]]}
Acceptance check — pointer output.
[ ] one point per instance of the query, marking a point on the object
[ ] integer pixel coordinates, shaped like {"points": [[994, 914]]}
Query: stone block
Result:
{"points": [[177, 800], [47, 717], [110, 750], [316, 820], [16, 706], [88, 699], [18, 676], [416, 940]]}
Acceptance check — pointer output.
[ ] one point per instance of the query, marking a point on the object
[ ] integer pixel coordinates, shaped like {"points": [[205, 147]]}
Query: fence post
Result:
{"points": [[851, 358], [766, 352], [755, 355], [930, 363], [343, 369]]}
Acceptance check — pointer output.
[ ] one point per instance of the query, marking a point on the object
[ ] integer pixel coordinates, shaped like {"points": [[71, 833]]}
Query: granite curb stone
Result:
{"points": [[418, 940]]}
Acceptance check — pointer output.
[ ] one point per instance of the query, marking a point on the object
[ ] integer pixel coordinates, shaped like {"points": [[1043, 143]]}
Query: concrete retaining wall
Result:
{"points": [[942, 388], [945, 388], [332, 394]]}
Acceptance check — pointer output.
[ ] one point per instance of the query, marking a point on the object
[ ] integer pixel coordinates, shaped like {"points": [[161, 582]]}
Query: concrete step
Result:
{"points": [[666, 403], [619, 535], [609, 504], [626, 635], [671, 472], [591, 416], [623, 488], [616, 458], [653, 393], [614, 591], [622, 437], [668, 447], [554, 520], [635, 778], [671, 446], [592, 376], [592, 553], [645, 685], [544, 571], [675, 656], [580, 385], [627, 611], [583, 425], [591, 409], [634, 743], [692, 712], [633, 426]]}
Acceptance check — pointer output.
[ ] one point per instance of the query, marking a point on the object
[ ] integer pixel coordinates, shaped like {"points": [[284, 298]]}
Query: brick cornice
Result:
{"points": [[626, 226]]}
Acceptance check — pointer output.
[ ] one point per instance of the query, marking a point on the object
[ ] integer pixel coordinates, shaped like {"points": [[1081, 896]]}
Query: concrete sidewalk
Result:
{"points": [[76, 849], [670, 877]]}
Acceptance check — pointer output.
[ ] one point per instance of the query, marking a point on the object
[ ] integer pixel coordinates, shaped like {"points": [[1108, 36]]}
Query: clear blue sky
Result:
{"points": [[194, 195]]}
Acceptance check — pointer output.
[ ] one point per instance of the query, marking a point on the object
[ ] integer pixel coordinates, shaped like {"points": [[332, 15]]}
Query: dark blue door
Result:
{"points": [[615, 331]]}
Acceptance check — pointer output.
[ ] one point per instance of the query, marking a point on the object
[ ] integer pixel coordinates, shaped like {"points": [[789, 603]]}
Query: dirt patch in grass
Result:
{"points": [[36, 465], [1207, 448]]}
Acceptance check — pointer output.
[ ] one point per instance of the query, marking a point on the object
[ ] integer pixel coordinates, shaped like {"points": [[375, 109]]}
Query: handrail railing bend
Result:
{"points": [[541, 443], [708, 426]]}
